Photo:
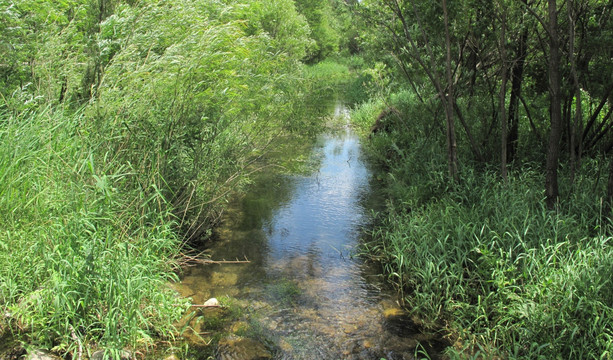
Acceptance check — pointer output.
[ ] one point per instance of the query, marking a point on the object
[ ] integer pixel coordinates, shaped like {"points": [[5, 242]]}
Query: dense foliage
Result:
{"points": [[492, 123], [124, 126]]}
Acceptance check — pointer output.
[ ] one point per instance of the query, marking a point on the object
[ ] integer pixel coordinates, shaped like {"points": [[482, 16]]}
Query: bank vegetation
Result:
{"points": [[124, 128], [491, 122]]}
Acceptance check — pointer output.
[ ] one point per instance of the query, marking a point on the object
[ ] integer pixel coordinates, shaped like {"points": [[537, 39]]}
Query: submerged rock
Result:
{"points": [[234, 348], [239, 327], [393, 312]]}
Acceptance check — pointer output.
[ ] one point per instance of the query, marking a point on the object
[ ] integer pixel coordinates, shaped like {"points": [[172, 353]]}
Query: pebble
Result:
{"points": [[99, 355], [212, 302]]}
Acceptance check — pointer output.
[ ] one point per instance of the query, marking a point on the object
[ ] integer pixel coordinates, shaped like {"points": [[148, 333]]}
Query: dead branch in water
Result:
{"points": [[199, 305], [189, 260]]}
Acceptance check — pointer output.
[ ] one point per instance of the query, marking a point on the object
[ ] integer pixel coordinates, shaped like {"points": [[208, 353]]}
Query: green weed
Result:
{"points": [[487, 261], [83, 260]]}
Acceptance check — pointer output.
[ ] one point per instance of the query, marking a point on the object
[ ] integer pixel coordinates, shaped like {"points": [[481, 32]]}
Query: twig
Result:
{"points": [[223, 261], [200, 305], [194, 259]]}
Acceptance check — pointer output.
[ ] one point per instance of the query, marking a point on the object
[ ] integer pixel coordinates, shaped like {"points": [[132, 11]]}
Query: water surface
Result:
{"points": [[311, 298]]}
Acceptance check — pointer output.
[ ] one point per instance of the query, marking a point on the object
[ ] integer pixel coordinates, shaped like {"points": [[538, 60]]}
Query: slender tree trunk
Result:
{"points": [[474, 146], [502, 95], [449, 101], [608, 213], [575, 151], [553, 151], [517, 77], [446, 98]]}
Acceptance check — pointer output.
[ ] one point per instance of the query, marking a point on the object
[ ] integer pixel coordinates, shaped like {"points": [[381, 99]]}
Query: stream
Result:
{"points": [[303, 295]]}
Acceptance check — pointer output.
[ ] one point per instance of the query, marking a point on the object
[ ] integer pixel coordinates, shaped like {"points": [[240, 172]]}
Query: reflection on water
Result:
{"points": [[313, 298]]}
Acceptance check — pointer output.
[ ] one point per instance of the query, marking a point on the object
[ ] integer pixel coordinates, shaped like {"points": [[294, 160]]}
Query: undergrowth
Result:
{"points": [[85, 259], [486, 260]]}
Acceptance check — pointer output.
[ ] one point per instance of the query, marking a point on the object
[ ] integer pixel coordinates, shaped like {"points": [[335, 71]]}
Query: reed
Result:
{"points": [[84, 259]]}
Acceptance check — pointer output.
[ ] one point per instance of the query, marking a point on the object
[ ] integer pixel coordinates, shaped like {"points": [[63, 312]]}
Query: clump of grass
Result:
{"points": [[84, 259]]}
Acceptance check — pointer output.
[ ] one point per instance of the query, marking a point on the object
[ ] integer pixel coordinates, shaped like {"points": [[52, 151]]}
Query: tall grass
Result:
{"points": [[487, 262], [184, 99], [84, 259]]}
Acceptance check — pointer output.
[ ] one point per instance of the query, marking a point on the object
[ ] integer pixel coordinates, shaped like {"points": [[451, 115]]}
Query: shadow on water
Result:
{"points": [[304, 293]]}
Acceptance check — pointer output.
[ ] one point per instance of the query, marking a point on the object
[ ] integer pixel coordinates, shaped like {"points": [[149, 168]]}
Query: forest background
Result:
{"points": [[126, 124]]}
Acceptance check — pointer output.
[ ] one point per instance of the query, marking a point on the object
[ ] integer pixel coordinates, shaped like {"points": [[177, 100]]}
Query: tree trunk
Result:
{"points": [[451, 140], [608, 214], [575, 151], [502, 95], [553, 150], [474, 146], [517, 77]]}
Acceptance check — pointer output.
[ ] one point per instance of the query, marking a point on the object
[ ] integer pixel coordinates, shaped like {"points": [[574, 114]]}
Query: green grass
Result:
{"points": [[84, 259], [487, 261]]}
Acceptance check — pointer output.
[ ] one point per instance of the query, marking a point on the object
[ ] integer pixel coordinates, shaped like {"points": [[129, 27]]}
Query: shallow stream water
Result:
{"points": [[306, 293]]}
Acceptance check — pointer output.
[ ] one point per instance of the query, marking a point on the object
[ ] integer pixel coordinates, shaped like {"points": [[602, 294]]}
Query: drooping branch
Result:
{"points": [[602, 130]]}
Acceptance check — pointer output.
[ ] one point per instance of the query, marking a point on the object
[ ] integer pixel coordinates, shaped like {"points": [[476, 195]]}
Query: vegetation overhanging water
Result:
{"points": [[125, 125], [303, 289]]}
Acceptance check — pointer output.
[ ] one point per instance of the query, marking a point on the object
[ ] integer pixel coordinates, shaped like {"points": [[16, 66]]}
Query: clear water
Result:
{"points": [[311, 298]]}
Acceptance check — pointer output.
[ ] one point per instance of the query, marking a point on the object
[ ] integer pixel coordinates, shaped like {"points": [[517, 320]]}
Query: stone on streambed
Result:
{"points": [[234, 348], [99, 355], [212, 302], [239, 327], [41, 355]]}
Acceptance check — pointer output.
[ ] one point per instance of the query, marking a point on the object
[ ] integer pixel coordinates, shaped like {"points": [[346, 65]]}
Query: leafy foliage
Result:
{"points": [[485, 260], [124, 126], [82, 256]]}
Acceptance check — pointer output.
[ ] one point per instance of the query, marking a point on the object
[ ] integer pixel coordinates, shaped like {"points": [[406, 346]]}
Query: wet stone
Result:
{"points": [[41, 355], [285, 346], [349, 328], [222, 279], [238, 348], [212, 302], [393, 312], [99, 355]]}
